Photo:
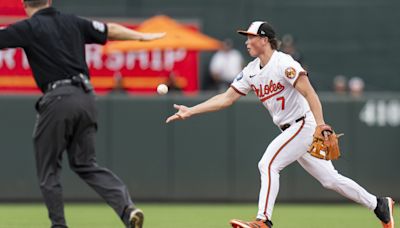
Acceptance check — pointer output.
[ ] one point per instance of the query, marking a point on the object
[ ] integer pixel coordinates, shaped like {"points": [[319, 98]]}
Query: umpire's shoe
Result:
{"points": [[136, 218], [384, 211]]}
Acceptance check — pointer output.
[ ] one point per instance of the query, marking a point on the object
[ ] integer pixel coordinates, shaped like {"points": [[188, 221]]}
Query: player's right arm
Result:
{"points": [[213, 104]]}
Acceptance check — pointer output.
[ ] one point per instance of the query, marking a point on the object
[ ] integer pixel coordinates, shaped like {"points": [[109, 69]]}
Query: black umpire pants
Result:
{"points": [[67, 121]]}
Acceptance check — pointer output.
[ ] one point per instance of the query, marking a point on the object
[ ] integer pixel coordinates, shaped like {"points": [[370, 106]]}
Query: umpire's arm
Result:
{"points": [[213, 104], [15, 35], [119, 32]]}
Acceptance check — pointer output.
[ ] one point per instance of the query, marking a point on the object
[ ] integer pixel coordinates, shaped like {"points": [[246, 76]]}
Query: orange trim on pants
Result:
{"points": [[272, 160]]}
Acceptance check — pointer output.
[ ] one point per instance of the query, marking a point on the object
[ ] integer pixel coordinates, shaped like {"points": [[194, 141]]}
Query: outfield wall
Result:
{"points": [[208, 157]]}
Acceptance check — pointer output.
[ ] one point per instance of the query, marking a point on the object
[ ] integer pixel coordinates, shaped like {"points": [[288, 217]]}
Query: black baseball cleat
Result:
{"points": [[384, 211], [267, 222], [136, 219]]}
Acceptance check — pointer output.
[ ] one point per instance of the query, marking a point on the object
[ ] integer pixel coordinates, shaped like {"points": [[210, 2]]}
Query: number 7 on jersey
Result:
{"points": [[282, 99]]}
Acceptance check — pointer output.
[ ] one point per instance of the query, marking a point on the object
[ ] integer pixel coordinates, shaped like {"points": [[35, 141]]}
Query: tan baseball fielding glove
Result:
{"points": [[325, 144]]}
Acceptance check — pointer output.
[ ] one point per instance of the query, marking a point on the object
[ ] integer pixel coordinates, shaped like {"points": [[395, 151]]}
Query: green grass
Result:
{"points": [[193, 216]]}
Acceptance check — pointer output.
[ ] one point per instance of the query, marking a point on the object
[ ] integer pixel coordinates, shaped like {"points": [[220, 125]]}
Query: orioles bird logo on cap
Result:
{"points": [[290, 72]]}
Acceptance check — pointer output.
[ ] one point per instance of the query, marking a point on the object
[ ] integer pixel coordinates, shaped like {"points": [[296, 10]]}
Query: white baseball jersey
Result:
{"points": [[274, 85]]}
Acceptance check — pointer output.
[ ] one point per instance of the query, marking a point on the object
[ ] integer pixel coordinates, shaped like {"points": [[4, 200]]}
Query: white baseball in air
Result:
{"points": [[162, 89]]}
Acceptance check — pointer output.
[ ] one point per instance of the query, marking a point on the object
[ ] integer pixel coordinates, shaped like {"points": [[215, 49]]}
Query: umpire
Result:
{"points": [[67, 117]]}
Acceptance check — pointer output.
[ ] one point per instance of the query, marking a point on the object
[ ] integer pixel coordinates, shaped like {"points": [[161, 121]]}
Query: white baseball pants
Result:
{"points": [[292, 145]]}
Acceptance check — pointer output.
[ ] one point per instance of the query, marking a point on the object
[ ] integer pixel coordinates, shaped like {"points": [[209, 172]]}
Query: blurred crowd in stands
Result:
{"points": [[227, 63]]}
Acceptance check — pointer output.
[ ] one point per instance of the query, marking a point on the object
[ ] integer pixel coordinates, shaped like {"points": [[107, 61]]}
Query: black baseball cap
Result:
{"points": [[259, 28]]}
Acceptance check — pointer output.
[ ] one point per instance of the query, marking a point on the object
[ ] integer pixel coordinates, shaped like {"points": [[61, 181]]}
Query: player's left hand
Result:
{"points": [[325, 143], [152, 36], [182, 113]]}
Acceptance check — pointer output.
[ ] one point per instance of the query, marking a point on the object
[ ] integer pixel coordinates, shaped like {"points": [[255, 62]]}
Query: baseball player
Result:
{"points": [[283, 87], [67, 117]]}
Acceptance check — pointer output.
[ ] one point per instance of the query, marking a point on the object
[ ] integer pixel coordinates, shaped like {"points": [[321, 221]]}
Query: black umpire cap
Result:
{"points": [[259, 28]]}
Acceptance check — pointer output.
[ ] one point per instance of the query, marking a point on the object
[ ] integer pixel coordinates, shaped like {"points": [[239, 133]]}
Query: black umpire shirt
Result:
{"points": [[54, 43]]}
